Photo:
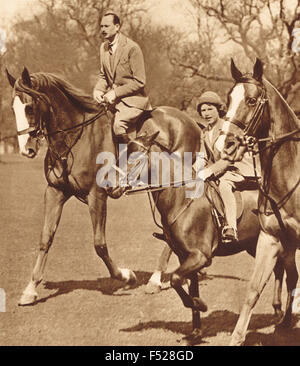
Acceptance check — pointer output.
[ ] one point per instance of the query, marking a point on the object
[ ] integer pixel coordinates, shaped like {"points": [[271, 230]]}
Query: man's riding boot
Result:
{"points": [[123, 138]]}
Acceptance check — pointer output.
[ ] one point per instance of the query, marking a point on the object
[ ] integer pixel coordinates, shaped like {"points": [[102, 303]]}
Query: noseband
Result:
{"points": [[37, 127]]}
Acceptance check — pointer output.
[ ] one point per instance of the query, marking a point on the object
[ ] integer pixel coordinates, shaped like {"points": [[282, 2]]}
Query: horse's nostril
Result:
{"points": [[31, 153]]}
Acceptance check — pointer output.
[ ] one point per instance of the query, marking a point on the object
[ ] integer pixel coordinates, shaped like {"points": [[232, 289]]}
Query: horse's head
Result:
{"points": [[134, 169], [246, 107], [30, 110]]}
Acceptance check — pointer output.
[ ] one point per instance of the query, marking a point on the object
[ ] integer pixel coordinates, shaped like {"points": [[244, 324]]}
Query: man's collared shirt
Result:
{"points": [[113, 45]]}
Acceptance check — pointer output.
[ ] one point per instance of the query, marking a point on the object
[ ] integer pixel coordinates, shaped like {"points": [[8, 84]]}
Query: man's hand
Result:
{"points": [[110, 97], [98, 96]]}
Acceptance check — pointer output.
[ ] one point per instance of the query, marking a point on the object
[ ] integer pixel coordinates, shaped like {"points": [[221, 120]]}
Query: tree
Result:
{"points": [[64, 38], [260, 28]]}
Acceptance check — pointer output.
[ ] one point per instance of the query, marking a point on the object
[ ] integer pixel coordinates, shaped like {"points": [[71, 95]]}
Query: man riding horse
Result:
{"points": [[122, 76]]}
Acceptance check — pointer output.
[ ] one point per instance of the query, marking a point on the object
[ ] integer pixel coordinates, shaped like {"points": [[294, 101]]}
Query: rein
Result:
{"points": [[274, 140], [82, 124]]}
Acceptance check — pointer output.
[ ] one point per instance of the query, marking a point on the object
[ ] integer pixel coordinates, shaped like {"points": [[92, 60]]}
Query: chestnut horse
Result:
{"points": [[188, 224], [76, 130], [259, 115]]}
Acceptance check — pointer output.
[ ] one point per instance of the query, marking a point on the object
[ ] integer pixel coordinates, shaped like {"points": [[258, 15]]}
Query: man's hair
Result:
{"points": [[116, 19]]}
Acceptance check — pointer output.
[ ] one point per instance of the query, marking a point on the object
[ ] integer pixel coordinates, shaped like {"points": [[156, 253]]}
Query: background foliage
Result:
{"points": [[63, 37]]}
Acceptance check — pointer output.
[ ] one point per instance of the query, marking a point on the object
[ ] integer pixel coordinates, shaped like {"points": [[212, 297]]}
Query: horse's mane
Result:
{"points": [[290, 112], [42, 81]]}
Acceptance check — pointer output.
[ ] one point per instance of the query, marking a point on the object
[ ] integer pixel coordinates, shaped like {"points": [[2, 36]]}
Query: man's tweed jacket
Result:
{"points": [[125, 73]]}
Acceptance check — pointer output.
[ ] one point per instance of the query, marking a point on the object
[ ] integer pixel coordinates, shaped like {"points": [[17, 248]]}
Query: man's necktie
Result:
{"points": [[111, 57]]}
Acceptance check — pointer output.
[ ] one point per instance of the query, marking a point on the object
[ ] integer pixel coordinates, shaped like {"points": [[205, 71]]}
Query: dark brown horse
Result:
{"points": [[76, 131], [188, 224], [258, 114]]}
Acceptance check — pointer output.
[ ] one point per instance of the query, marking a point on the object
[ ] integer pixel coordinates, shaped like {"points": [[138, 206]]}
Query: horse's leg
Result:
{"points": [[154, 284], [291, 282], [196, 335], [194, 293], [268, 248], [194, 261], [278, 272], [54, 201], [98, 208]]}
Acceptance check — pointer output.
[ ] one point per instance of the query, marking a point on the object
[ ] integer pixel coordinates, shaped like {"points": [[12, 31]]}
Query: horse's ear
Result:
{"points": [[235, 72], [26, 78], [258, 70], [10, 78]]}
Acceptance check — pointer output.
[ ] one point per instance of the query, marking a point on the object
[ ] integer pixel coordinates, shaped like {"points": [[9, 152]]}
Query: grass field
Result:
{"points": [[80, 305]]}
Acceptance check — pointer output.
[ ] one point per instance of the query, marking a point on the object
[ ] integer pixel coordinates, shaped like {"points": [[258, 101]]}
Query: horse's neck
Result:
{"points": [[170, 202], [280, 165], [64, 114], [283, 118], [95, 137]]}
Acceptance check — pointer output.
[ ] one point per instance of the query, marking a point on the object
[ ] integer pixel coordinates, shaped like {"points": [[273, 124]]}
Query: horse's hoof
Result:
{"points": [[278, 314], [153, 288], [192, 339], [128, 277], [199, 304], [236, 341], [131, 280], [27, 299], [284, 322]]}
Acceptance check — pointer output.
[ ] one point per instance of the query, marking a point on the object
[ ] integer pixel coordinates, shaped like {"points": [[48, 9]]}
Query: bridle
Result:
{"points": [[38, 129], [250, 141], [251, 128]]}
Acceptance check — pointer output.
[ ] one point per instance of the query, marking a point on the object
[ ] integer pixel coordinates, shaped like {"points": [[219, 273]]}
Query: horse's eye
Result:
{"points": [[252, 101], [29, 110]]}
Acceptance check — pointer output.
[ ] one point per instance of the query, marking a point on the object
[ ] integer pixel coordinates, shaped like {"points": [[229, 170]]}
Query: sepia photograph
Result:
{"points": [[149, 175]]}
